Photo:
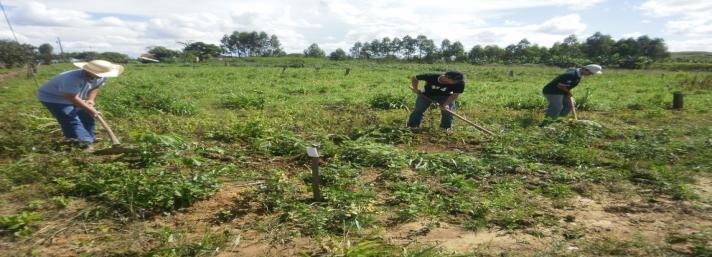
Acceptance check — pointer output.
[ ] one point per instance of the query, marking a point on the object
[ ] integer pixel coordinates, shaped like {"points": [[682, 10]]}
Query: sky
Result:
{"points": [[130, 26]]}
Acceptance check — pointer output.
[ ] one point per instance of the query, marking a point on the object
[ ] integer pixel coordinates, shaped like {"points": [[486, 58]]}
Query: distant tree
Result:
{"points": [[457, 50], [409, 46], [599, 48], [395, 48], [510, 54], [314, 51], [114, 57], [338, 55], [355, 51], [366, 52], [244, 44], [375, 48], [385, 47], [275, 47], [477, 55], [13, 54], [163, 54], [445, 48], [45, 51], [426, 48], [85, 56], [494, 54], [202, 50]]}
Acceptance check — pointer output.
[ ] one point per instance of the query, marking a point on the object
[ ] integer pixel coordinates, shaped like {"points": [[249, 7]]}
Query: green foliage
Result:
{"points": [[178, 244], [145, 97], [385, 135], [242, 101], [314, 51], [163, 54], [13, 54], [338, 55], [139, 192], [388, 101], [449, 164], [45, 53], [372, 154], [20, 225], [283, 143]]}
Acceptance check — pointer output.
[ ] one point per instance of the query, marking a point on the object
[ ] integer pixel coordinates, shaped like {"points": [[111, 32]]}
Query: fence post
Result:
{"points": [[677, 100], [316, 182]]}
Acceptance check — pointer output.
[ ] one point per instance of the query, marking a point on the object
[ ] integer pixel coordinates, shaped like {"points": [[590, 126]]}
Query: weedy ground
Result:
{"points": [[221, 167]]}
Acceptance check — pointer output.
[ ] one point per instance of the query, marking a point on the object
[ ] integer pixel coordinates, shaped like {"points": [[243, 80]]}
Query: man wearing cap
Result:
{"points": [[70, 97], [558, 91], [441, 88]]}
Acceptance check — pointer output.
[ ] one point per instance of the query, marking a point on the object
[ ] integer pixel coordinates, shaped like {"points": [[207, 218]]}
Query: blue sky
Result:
{"points": [[130, 26]]}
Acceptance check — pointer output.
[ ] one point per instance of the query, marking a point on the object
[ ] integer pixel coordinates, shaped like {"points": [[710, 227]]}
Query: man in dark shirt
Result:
{"points": [[558, 91], [441, 88]]}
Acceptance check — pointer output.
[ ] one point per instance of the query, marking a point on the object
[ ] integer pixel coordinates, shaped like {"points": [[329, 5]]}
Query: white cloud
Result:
{"points": [[632, 35], [569, 24], [689, 17], [37, 14], [131, 25]]}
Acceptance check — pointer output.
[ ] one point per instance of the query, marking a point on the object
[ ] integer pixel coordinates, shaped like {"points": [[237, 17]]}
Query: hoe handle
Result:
{"points": [[572, 103], [460, 117], [471, 123], [114, 139]]}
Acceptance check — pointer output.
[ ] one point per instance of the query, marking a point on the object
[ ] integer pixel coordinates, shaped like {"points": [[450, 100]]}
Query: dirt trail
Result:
{"points": [[586, 220], [9, 75]]}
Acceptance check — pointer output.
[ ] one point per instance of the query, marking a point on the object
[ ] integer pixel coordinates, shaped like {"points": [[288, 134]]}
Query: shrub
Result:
{"points": [[388, 101], [241, 101], [140, 192], [19, 225], [373, 154]]}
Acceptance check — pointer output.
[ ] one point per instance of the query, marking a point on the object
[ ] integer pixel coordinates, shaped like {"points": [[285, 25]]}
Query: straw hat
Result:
{"points": [[593, 68], [101, 68]]}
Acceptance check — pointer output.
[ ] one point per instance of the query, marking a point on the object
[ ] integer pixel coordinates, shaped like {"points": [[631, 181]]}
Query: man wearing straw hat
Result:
{"points": [[70, 97]]}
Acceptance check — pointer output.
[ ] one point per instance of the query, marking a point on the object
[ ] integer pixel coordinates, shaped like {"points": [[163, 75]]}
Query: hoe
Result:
{"points": [[460, 117], [116, 147]]}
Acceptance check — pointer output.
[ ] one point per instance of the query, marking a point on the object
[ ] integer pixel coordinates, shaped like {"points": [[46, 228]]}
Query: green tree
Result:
{"points": [[409, 46], [599, 47], [114, 57], [45, 53], [494, 53], [164, 54], [338, 54], [458, 50], [477, 55], [202, 50], [355, 50], [13, 54], [314, 51]]}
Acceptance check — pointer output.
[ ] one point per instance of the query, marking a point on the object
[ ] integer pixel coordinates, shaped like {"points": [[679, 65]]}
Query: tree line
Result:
{"points": [[598, 48]]}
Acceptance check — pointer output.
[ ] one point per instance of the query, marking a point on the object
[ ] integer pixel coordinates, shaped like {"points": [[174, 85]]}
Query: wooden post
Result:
{"points": [[316, 182], [677, 100]]}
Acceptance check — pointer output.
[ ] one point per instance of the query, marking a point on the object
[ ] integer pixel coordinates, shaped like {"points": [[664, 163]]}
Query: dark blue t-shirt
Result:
{"points": [[434, 88], [570, 78]]}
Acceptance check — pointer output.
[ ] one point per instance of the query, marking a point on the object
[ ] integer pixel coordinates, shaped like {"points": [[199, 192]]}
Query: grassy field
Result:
{"points": [[221, 167]]}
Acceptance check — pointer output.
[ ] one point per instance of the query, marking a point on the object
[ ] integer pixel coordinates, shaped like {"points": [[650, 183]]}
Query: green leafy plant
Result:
{"points": [[19, 225]]}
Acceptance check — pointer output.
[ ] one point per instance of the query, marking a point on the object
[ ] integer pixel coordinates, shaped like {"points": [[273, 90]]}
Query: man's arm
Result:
{"points": [[91, 96], [74, 98], [565, 88], [449, 100], [414, 85]]}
